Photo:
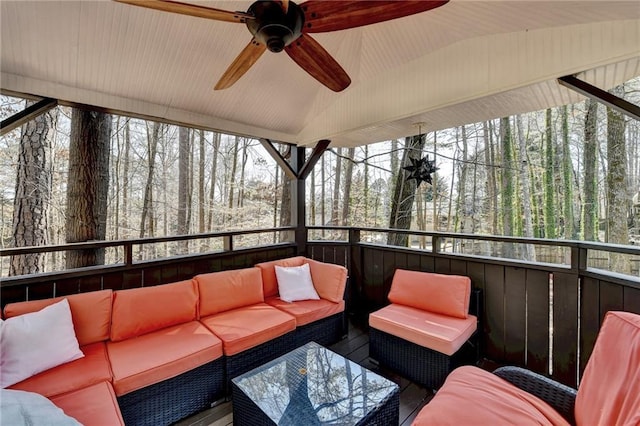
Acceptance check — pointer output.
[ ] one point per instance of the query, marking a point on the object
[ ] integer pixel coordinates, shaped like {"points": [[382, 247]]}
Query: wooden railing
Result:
{"points": [[131, 272], [544, 315]]}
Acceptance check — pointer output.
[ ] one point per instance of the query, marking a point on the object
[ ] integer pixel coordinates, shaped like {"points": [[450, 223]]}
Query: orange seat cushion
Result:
{"points": [[91, 369], [441, 333], [268, 271], [139, 311], [226, 290], [442, 294], [91, 313], [244, 328], [95, 405], [329, 280], [307, 311], [609, 392], [472, 396], [145, 360]]}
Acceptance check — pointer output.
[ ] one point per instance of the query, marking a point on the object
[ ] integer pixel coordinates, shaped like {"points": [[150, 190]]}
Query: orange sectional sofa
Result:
{"points": [[155, 355]]}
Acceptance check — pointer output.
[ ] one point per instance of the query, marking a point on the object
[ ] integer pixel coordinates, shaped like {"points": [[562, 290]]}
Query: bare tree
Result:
{"points": [[404, 192], [88, 184], [33, 189], [590, 166]]}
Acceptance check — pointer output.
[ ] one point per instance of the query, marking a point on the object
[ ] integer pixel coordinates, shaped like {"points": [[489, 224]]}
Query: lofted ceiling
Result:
{"points": [[464, 62]]}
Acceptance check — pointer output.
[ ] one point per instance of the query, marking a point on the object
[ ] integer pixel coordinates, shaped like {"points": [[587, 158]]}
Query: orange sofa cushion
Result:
{"points": [[442, 294], [609, 393], [91, 313], [226, 290], [91, 369], [142, 310], [441, 333], [307, 311], [95, 405], [160, 355], [328, 279], [268, 270], [244, 328], [472, 396]]}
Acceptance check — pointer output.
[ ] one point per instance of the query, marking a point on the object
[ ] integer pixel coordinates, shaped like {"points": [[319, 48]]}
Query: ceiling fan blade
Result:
{"points": [[241, 64], [285, 5], [323, 16], [190, 9], [312, 58]]}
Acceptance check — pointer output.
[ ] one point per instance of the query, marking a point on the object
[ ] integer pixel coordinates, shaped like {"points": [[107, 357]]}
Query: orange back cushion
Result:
{"points": [[329, 280], [91, 313], [609, 393], [140, 311], [437, 293], [269, 280], [226, 290]]}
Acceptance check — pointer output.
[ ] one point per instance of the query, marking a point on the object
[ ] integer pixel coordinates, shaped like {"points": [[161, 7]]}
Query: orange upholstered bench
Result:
{"points": [[421, 333]]}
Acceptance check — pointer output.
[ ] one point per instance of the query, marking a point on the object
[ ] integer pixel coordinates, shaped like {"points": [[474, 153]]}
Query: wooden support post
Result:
{"points": [[298, 203], [227, 242], [600, 95], [27, 114]]}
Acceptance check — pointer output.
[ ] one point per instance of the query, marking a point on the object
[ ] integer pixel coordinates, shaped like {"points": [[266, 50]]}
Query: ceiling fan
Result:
{"points": [[279, 25]]}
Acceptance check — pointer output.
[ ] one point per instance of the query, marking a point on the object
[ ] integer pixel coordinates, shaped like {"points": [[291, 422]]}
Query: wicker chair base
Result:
{"points": [[253, 357], [422, 365], [176, 398], [325, 331]]}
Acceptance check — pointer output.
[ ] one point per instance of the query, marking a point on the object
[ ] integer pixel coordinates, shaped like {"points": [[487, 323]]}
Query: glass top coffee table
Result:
{"points": [[312, 385]]}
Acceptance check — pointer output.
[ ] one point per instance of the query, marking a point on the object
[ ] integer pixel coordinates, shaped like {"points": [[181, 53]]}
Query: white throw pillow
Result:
{"points": [[36, 342], [294, 283]]}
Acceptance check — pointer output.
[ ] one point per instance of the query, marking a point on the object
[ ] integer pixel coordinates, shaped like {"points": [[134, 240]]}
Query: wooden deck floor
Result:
{"points": [[355, 347]]}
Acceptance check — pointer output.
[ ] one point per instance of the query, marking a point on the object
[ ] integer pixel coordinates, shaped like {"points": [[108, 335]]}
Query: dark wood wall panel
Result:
{"points": [[515, 315], [611, 298], [565, 327], [632, 299], [388, 269], [443, 265], [589, 318], [458, 267], [427, 263], [494, 307], [537, 283]]}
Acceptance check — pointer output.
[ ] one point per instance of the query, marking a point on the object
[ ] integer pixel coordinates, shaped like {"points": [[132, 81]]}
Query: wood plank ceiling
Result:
{"points": [[464, 62]]}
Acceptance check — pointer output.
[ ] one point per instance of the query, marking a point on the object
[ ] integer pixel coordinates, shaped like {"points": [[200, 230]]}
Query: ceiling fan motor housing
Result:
{"points": [[272, 26]]}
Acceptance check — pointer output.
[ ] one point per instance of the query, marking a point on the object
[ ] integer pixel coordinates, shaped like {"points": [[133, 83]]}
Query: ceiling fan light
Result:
{"points": [[272, 26]]}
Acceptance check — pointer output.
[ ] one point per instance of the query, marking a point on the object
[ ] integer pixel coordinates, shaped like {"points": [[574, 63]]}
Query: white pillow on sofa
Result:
{"points": [[294, 283], [36, 342]]}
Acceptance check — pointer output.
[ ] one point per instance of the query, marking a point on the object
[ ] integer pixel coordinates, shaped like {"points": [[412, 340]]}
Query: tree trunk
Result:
{"points": [[506, 184], [335, 202], [201, 195], [348, 178], [590, 207], [567, 179], [529, 249], [183, 183], [617, 191], [214, 170], [152, 147], [33, 191], [404, 192], [549, 204], [125, 180], [88, 185]]}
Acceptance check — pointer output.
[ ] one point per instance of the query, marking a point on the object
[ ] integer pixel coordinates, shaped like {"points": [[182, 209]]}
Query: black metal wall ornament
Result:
{"points": [[421, 170]]}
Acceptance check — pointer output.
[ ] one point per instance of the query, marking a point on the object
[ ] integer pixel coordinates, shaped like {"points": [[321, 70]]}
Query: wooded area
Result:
{"points": [[571, 172]]}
